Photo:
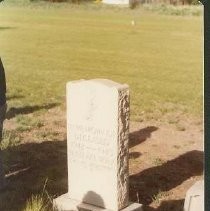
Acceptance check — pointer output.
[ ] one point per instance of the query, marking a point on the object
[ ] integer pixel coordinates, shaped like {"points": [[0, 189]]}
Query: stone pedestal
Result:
{"points": [[194, 200], [64, 203], [97, 145]]}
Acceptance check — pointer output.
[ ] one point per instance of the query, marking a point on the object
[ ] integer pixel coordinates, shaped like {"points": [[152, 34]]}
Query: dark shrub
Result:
{"points": [[133, 3]]}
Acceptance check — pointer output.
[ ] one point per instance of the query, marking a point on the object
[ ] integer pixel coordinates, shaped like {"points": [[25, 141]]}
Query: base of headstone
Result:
{"points": [[64, 203], [194, 200]]}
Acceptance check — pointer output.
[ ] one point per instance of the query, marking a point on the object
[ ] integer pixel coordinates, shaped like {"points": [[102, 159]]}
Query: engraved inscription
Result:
{"points": [[91, 107], [91, 147]]}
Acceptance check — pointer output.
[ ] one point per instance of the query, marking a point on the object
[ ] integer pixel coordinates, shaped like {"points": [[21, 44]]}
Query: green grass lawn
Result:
{"points": [[43, 46], [160, 58]]}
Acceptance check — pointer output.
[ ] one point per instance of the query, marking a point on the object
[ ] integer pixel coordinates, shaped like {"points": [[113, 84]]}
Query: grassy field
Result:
{"points": [[43, 46]]}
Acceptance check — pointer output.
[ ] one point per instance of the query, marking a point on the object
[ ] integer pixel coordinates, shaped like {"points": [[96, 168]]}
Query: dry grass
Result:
{"points": [[43, 46]]}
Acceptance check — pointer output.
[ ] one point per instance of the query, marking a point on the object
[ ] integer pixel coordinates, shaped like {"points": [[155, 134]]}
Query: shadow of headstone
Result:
{"points": [[141, 135], [149, 182]]}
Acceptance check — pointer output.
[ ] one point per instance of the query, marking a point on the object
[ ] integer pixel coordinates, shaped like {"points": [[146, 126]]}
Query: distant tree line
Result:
{"points": [[173, 2], [71, 1]]}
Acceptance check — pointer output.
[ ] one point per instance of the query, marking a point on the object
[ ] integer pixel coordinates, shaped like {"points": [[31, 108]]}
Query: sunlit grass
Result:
{"points": [[160, 57], [35, 203], [45, 45], [10, 139]]}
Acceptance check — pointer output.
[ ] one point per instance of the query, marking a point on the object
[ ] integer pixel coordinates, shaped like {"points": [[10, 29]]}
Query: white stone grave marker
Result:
{"points": [[97, 146]]}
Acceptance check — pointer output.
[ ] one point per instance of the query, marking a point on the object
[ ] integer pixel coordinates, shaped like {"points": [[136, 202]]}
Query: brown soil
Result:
{"points": [[164, 163], [165, 159]]}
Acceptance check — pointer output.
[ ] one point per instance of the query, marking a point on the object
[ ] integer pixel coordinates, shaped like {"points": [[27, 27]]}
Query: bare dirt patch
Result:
{"points": [[165, 160]]}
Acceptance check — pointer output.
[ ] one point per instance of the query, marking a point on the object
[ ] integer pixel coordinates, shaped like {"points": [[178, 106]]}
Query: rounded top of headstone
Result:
{"points": [[101, 81]]}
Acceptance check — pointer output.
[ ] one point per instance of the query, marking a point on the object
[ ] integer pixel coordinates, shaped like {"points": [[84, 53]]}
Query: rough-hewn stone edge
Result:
{"points": [[123, 151]]}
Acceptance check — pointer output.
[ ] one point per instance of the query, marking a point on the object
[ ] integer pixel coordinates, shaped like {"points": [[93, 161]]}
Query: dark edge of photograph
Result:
{"points": [[207, 100]]}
